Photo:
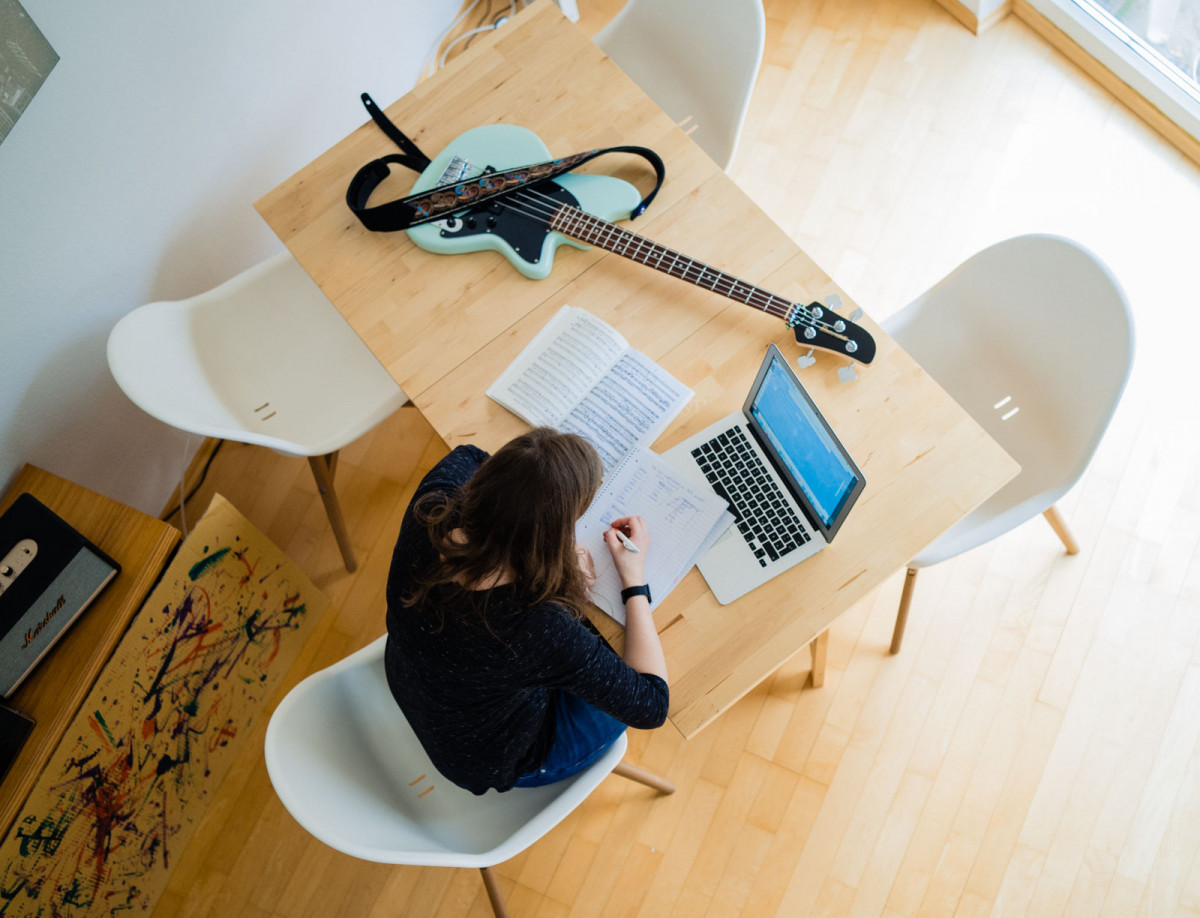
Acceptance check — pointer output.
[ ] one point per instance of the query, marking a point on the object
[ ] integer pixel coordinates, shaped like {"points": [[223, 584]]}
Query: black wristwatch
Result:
{"points": [[629, 592]]}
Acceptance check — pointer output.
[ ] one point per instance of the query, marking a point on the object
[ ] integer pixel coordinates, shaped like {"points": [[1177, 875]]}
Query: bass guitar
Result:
{"points": [[528, 225]]}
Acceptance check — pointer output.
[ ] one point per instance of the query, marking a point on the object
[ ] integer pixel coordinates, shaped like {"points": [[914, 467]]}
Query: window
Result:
{"points": [[1165, 33], [1152, 45]]}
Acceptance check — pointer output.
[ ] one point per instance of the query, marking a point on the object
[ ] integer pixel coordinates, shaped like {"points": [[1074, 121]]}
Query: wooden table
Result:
{"points": [[52, 693], [446, 326]]}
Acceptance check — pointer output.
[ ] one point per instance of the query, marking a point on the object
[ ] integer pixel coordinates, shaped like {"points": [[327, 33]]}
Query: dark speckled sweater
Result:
{"points": [[481, 701]]}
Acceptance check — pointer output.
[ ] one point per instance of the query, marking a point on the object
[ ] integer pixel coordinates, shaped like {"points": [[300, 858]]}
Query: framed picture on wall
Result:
{"points": [[26, 59]]}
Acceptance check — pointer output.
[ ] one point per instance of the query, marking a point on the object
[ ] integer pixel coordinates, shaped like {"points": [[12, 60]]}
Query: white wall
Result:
{"points": [[982, 9], [131, 177], [973, 12]]}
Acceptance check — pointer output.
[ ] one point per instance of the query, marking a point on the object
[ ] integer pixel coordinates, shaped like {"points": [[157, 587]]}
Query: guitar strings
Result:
{"points": [[761, 299], [544, 207], [541, 206]]}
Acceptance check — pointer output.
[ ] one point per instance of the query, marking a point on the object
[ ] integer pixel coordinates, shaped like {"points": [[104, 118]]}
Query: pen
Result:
{"points": [[628, 543]]}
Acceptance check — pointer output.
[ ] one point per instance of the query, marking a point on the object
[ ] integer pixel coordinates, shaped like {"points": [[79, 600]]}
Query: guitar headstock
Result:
{"points": [[817, 325]]}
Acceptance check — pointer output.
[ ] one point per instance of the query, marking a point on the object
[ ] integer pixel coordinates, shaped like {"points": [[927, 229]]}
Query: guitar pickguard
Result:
{"points": [[523, 231], [505, 146]]}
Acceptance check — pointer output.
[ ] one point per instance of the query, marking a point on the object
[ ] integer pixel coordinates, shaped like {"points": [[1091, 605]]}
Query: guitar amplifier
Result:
{"points": [[49, 573]]}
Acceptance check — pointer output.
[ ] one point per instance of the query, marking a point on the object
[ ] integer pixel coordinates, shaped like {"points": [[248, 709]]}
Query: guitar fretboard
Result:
{"points": [[577, 224]]}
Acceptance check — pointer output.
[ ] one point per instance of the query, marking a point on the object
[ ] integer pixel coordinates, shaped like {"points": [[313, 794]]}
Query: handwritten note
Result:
{"points": [[683, 519]]}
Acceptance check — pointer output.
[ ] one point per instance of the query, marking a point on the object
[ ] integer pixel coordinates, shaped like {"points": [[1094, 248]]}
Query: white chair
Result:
{"points": [[1034, 338], [264, 358], [695, 58], [350, 770]]}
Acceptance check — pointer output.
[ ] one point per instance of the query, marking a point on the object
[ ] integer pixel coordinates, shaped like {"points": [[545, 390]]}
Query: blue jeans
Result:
{"points": [[581, 734]]}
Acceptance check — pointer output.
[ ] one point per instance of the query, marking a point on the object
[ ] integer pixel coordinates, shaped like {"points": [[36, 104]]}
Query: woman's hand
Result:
{"points": [[630, 565], [587, 565], [643, 650]]}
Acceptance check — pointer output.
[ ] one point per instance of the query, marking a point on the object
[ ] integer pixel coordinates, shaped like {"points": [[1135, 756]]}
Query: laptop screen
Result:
{"points": [[804, 446]]}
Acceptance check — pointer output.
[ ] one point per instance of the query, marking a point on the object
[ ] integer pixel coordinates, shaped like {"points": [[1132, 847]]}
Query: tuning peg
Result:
{"points": [[847, 373], [833, 301], [806, 360], [857, 314]]}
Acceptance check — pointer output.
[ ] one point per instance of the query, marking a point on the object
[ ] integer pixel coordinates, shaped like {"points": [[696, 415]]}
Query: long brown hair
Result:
{"points": [[518, 514]]}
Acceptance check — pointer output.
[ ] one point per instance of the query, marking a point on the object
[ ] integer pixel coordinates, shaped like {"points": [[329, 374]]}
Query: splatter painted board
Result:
{"points": [[122, 794]]}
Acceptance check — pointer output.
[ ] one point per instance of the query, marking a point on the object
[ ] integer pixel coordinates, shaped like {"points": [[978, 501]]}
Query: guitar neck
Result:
{"points": [[573, 222], [533, 220]]}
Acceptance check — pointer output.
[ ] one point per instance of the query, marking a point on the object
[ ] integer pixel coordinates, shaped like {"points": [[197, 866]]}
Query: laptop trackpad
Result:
{"points": [[730, 568]]}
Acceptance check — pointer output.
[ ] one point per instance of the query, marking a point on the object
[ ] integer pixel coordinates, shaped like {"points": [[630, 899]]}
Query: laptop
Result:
{"points": [[789, 481]]}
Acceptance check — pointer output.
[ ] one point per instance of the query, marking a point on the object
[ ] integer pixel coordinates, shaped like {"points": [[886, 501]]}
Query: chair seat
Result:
{"points": [[696, 60], [1047, 457], [1033, 338], [348, 767], [1005, 510], [669, 82], [264, 358]]}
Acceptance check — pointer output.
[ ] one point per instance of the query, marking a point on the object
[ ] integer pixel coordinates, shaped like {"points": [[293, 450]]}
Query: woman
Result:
{"points": [[488, 654]]}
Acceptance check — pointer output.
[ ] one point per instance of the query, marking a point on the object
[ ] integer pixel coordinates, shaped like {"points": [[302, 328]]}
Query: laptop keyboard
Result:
{"points": [[737, 473]]}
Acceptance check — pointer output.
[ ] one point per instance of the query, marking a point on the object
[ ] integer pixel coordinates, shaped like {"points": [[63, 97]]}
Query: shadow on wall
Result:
{"points": [[223, 234], [189, 117], [54, 442]]}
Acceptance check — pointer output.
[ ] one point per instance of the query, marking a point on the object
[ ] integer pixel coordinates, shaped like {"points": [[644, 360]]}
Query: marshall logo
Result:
{"points": [[33, 632]]}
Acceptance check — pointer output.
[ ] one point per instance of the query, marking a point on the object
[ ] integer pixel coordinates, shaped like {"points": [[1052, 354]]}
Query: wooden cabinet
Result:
{"points": [[52, 693]]}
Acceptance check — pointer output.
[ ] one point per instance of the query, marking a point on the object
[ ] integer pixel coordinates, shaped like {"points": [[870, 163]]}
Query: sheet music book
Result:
{"points": [[49, 574], [579, 375]]}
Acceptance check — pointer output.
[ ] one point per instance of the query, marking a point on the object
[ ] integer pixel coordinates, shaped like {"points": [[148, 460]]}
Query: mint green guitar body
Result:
{"points": [[516, 233]]}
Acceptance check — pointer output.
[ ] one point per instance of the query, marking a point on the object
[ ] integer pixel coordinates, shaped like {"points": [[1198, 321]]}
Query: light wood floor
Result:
{"points": [[1033, 749]]}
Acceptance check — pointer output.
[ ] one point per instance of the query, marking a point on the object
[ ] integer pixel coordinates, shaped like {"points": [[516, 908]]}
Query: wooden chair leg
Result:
{"points": [[323, 468], [1060, 529], [819, 648], [649, 778], [492, 885], [910, 581]]}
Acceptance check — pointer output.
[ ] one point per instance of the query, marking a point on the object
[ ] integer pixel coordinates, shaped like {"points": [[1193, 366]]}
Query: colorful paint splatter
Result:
{"points": [[154, 738]]}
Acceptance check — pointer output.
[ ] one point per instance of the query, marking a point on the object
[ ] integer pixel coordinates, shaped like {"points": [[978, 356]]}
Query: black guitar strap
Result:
{"points": [[436, 203], [413, 158]]}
